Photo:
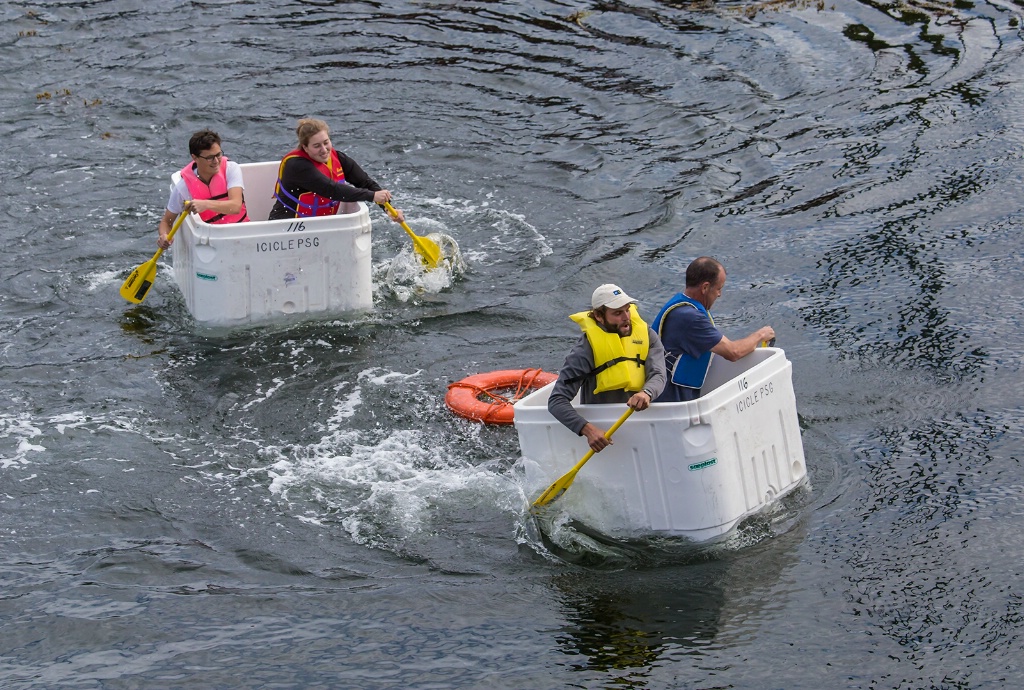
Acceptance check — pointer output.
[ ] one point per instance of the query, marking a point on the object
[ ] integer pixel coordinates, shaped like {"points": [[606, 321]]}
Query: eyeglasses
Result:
{"points": [[212, 157]]}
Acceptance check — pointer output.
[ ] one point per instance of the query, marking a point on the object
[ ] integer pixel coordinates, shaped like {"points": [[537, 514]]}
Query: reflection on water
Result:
{"points": [[629, 622], [628, 628]]}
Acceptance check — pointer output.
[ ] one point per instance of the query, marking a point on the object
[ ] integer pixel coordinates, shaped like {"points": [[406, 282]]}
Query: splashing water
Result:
{"points": [[407, 277]]}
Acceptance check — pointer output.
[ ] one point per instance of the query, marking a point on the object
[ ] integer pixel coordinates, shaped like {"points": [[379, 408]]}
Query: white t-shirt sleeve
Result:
{"points": [[179, 195], [234, 175]]}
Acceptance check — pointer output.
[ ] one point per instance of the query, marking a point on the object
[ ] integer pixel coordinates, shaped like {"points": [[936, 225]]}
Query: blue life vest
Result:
{"points": [[686, 371]]}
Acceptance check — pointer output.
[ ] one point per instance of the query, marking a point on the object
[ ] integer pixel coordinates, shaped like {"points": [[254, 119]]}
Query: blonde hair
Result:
{"points": [[308, 128]]}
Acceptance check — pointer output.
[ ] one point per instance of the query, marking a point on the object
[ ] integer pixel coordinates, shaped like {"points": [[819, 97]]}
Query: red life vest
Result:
{"points": [[309, 204], [217, 189]]}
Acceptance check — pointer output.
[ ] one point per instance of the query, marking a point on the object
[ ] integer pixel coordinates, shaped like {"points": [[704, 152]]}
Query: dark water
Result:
{"points": [[295, 507]]}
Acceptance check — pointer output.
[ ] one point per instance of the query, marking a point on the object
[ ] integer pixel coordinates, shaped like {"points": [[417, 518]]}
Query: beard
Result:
{"points": [[623, 331]]}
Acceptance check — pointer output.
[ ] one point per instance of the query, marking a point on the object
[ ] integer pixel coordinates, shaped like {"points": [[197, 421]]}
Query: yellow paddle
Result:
{"points": [[563, 483], [137, 286], [426, 248]]}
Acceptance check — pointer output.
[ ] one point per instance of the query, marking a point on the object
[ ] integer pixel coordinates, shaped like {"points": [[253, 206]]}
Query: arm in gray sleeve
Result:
{"points": [[579, 361], [655, 366]]}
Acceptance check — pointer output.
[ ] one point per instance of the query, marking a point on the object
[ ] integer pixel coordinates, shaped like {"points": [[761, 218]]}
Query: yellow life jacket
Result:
{"points": [[618, 362]]}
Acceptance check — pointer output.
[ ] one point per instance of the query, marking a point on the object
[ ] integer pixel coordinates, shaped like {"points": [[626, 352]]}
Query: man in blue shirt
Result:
{"points": [[689, 335]]}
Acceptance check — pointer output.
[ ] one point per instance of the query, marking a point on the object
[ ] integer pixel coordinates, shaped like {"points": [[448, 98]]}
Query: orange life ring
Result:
{"points": [[477, 398]]}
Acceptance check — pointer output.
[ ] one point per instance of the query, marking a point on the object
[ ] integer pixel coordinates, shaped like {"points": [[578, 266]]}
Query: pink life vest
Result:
{"points": [[217, 189]]}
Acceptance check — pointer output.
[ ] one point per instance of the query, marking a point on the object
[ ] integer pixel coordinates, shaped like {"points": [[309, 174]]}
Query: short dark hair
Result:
{"points": [[202, 140], [702, 270]]}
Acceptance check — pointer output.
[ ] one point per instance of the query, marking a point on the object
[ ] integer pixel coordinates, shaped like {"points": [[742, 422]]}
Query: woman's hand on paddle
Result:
{"points": [[382, 196], [399, 217], [595, 438]]}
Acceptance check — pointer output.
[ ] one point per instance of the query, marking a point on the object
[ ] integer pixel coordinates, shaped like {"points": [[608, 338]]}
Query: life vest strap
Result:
{"points": [[297, 206], [610, 363], [216, 218]]}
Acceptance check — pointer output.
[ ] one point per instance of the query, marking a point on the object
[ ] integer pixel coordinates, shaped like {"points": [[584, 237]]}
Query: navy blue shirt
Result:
{"points": [[685, 330]]}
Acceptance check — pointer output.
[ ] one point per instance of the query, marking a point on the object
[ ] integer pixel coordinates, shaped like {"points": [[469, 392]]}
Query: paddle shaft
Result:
{"points": [[566, 480], [427, 249], [141, 279], [174, 228], [170, 235], [405, 226]]}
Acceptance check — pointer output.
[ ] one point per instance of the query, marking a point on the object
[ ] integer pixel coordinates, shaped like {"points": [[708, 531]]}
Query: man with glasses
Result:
{"points": [[211, 182]]}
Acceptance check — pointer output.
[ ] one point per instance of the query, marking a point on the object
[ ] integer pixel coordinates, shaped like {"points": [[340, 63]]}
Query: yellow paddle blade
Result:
{"points": [[565, 481], [137, 286], [562, 483], [428, 250], [142, 278]]}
